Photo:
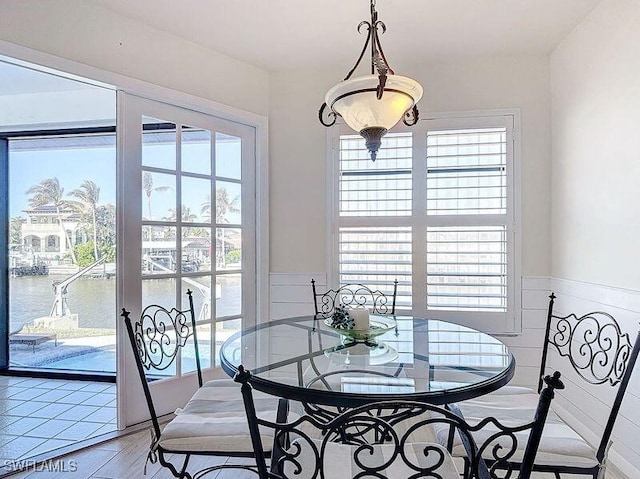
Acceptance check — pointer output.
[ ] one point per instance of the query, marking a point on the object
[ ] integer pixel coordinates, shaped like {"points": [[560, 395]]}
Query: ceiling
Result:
{"points": [[280, 35]]}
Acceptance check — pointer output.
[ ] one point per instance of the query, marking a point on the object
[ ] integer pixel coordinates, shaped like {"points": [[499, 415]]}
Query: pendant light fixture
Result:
{"points": [[372, 104]]}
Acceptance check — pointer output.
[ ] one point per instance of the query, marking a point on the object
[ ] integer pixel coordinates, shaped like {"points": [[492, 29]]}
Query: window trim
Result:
{"points": [[512, 323]]}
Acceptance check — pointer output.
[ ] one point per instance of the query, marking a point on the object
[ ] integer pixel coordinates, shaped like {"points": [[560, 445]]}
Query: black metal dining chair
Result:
{"points": [[597, 355], [386, 440], [353, 295], [213, 422]]}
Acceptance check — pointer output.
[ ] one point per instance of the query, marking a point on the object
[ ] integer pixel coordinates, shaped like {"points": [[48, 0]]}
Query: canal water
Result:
{"points": [[94, 300]]}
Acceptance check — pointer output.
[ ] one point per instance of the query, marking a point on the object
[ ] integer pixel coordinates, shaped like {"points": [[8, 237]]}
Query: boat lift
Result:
{"points": [[60, 306], [205, 309]]}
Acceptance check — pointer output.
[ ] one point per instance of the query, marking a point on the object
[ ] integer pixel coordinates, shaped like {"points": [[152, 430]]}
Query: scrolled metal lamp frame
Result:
{"points": [[379, 64]]}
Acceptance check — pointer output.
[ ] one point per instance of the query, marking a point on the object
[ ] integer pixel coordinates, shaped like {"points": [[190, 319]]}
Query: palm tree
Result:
{"points": [[224, 206], [49, 192], [186, 216], [89, 195], [148, 188]]}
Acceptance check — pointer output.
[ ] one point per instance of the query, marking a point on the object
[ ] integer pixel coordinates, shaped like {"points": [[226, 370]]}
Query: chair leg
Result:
{"points": [[183, 471], [182, 474]]}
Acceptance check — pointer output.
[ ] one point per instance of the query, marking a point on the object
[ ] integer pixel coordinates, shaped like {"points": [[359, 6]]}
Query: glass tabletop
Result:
{"points": [[419, 359]]}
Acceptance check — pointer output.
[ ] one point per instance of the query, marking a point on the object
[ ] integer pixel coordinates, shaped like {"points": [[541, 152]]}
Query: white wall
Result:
{"points": [[595, 90], [298, 142], [595, 230], [94, 36]]}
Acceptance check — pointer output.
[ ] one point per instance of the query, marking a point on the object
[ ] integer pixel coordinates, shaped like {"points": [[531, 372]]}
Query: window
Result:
{"points": [[436, 211]]}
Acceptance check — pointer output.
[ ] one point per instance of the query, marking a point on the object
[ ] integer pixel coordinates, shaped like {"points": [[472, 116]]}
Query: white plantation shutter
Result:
{"points": [[378, 252], [436, 212], [467, 180]]}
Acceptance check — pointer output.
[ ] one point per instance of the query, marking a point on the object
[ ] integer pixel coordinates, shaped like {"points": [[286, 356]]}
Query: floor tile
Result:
{"points": [[19, 447], [53, 395], [22, 426], [5, 438], [39, 409], [9, 380], [10, 391], [103, 415], [76, 397], [51, 410], [26, 408], [51, 383], [71, 385], [97, 387], [50, 428], [28, 394], [8, 404], [100, 399], [79, 431], [33, 382], [77, 413], [6, 420]]}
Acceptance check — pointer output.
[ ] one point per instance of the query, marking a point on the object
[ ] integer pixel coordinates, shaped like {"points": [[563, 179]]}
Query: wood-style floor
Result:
{"points": [[124, 458], [121, 458]]}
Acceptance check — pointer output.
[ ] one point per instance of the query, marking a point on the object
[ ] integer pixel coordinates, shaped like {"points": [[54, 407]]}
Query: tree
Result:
{"points": [[186, 217], [85, 254], [15, 230], [49, 192], [106, 224], [148, 188], [224, 206], [89, 195]]}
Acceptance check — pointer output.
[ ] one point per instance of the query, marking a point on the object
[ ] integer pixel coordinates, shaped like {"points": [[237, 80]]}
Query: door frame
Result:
{"points": [[174, 391], [64, 67]]}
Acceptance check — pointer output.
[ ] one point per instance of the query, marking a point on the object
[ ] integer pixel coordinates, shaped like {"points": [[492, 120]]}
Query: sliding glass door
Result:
{"points": [[59, 167]]}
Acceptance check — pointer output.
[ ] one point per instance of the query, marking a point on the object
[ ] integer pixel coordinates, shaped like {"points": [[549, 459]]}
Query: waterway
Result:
{"points": [[94, 300]]}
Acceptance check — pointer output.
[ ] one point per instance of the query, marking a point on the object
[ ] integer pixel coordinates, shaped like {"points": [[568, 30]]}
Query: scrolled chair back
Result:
{"points": [[391, 439], [593, 344], [354, 295]]}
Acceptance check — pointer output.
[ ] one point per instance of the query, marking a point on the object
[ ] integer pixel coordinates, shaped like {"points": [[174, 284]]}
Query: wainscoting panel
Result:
{"points": [[291, 294], [584, 406]]}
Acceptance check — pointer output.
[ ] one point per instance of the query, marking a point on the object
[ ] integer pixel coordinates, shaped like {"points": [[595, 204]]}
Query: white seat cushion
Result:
{"points": [[339, 461], [560, 445], [214, 419]]}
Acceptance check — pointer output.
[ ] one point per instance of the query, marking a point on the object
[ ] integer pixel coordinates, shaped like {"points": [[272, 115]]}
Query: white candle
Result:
{"points": [[360, 318]]}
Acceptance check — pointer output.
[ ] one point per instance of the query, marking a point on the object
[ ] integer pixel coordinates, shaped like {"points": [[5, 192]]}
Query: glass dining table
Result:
{"points": [[418, 359]]}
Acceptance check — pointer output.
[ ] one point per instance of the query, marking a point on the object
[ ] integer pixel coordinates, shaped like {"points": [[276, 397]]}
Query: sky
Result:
{"points": [[73, 165], [70, 165]]}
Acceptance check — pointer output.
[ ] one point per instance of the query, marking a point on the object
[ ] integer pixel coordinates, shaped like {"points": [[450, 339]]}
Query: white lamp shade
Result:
{"points": [[363, 109]]}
